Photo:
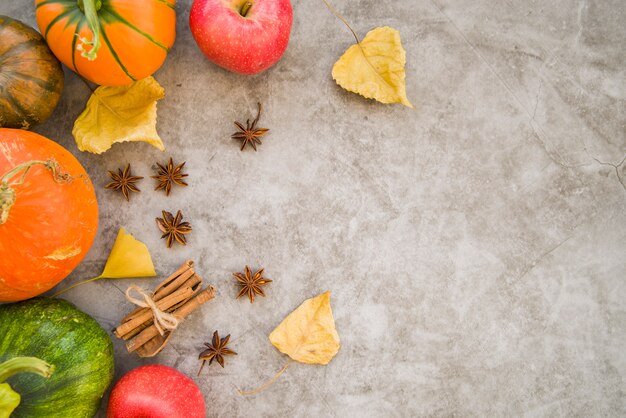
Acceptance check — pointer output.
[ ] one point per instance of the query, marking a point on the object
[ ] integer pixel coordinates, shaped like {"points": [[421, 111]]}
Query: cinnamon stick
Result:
{"points": [[194, 283], [185, 269], [181, 313], [167, 287], [145, 314]]}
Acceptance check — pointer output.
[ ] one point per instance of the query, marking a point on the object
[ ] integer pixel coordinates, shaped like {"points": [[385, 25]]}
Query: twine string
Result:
{"points": [[162, 320]]}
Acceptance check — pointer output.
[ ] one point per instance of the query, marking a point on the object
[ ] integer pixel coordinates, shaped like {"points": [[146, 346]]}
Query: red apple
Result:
{"points": [[155, 391], [244, 36]]}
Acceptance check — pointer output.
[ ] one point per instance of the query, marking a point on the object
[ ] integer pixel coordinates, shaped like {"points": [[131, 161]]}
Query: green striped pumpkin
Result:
{"points": [[110, 42], [79, 351]]}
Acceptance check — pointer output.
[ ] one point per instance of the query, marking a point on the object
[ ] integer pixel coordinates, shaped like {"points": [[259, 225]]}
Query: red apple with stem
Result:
{"points": [[155, 391], [243, 36]]}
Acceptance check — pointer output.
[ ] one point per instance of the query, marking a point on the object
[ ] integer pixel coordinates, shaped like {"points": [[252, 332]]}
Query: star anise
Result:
{"points": [[124, 181], [251, 284], [250, 134], [216, 351], [169, 175], [173, 228]]}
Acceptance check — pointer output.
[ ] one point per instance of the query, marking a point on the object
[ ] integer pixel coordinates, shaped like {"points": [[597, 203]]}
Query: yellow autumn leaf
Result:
{"points": [[119, 114], [374, 68], [128, 258], [308, 334]]}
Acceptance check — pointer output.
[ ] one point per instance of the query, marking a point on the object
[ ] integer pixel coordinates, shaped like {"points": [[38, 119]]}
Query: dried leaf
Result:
{"points": [[128, 258], [374, 68], [119, 114], [308, 334]]}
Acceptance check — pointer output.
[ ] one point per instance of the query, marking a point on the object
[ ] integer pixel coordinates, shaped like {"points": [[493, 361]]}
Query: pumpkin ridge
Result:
{"points": [[74, 40], [170, 5], [20, 48], [113, 53], [61, 2], [56, 20], [41, 83], [67, 3], [115, 15], [19, 109]]}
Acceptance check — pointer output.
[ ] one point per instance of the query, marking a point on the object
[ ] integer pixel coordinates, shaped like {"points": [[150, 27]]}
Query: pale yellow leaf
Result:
{"points": [[128, 258], [308, 334], [375, 67], [119, 114]]}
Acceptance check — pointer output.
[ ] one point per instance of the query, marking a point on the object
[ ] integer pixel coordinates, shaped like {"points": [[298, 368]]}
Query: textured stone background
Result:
{"points": [[475, 246]]}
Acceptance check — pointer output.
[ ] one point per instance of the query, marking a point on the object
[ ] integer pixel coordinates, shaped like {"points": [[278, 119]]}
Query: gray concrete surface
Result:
{"points": [[475, 246]]}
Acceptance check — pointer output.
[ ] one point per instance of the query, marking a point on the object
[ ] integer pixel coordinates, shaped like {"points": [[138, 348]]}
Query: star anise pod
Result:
{"points": [[251, 284], [250, 134], [173, 228], [169, 175], [216, 351], [124, 181]]}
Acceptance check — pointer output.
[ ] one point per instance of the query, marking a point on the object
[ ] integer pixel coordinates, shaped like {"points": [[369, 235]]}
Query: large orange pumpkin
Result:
{"points": [[110, 42], [48, 214]]}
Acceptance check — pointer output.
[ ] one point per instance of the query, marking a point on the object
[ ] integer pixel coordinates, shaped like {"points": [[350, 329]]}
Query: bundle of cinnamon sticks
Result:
{"points": [[180, 294]]}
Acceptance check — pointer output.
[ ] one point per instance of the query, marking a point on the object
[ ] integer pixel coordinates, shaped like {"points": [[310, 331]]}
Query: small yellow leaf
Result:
{"points": [[119, 114], [128, 258], [308, 334], [375, 67]]}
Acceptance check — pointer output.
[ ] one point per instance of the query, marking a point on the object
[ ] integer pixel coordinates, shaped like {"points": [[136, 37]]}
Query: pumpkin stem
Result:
{"points": [[10, 399], [25, 365], [7, 199], [90, 9], [7, 193]]}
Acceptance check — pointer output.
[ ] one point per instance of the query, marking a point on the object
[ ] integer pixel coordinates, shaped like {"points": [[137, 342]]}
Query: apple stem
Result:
{"points": [[245, 8]]}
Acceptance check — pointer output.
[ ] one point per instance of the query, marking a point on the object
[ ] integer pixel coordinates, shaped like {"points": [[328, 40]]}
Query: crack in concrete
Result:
{"points": [[616, 167], [544, 255], [558, 158]]}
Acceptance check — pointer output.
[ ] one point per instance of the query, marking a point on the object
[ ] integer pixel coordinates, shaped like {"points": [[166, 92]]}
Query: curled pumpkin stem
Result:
{"points": [[10, 399], [25, 365], [54, 167], [90, 9], [7, 193]]}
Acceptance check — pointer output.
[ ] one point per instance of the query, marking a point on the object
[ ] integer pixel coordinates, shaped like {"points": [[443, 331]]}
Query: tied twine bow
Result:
{"points": [[161, 319]]}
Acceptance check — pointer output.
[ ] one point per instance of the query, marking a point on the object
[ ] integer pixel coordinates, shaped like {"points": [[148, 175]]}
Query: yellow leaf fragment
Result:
{"points": [[119, 114], [308, 334], [128, 258], [375, 67]]}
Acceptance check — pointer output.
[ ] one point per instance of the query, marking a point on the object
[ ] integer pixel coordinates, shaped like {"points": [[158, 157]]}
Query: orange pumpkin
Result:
{"points": [[48, 214], [110, 42]]}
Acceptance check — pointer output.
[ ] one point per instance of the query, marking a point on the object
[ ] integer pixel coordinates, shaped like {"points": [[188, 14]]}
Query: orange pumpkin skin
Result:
{"points": [[135, 36], [51, 224]]}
